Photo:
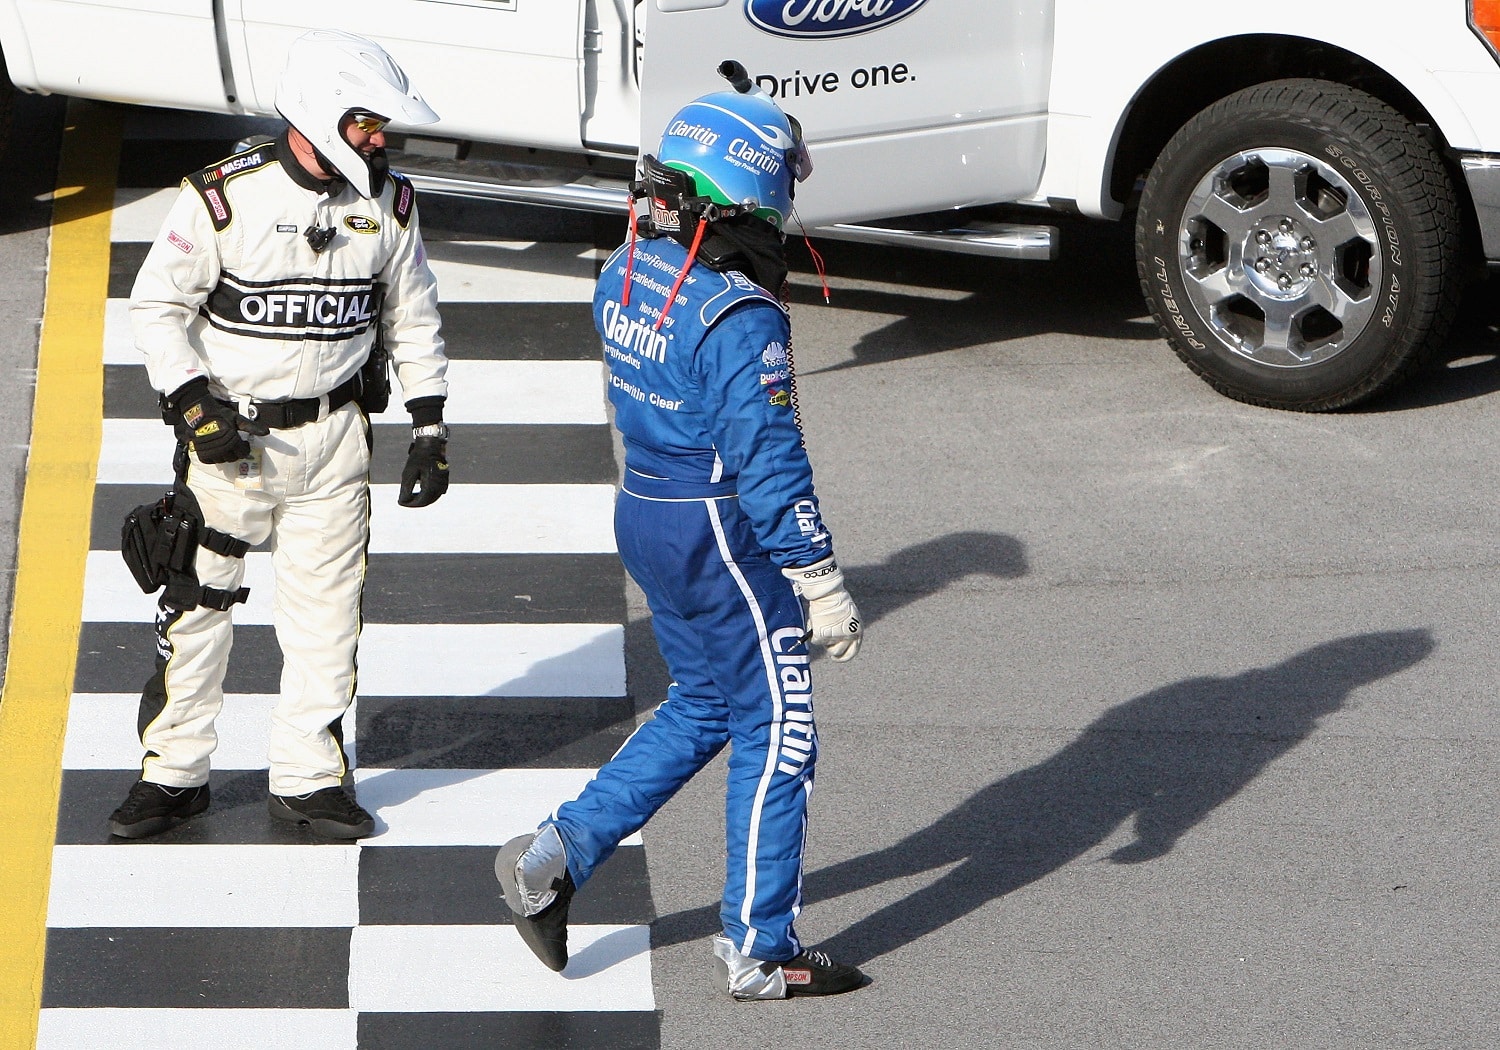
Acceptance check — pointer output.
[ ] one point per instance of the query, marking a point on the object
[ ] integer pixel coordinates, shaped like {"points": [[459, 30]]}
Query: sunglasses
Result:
{"points": [[369, 124]]}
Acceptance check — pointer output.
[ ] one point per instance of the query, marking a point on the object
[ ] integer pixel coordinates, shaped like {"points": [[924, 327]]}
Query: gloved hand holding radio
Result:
{"points": [[832, 617], [215, 427]]}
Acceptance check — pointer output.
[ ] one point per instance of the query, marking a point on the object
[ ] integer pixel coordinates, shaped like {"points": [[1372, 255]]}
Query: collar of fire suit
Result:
{"points": [[300, 175], [750, 245]]}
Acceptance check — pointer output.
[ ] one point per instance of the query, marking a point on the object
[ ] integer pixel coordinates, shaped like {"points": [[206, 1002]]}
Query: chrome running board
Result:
{"points": [[536, 186]]}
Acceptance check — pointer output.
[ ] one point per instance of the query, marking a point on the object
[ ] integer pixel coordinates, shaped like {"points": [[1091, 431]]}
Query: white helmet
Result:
{"points": [[331, 74]]}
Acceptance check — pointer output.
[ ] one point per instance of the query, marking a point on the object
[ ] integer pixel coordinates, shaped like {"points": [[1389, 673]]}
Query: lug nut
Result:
{"points": [[1308, 269], [1285, 225], [1262, 237], [1285, 280], [1307, 244], [1262, 265]]}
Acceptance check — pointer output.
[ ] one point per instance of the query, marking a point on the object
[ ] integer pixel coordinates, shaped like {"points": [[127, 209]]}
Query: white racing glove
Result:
{"points": [[832, 617]]}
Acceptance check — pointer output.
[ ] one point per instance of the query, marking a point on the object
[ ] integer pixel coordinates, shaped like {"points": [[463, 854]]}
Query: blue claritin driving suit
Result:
{"points": [[717, 497]]}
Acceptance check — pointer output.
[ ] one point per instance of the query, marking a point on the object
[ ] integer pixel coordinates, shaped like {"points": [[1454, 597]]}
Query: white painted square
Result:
{"points": [[522, 392], [111, 595], [220, 1029], [464, 807], [139, 213], [149, 885], [497, 519], [506, 659], [101, 731], [412, 969], [512, 271]]}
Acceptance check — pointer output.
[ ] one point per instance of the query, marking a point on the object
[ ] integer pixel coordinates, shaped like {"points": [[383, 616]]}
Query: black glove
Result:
{"points": [[426, 475], [214, 427]]}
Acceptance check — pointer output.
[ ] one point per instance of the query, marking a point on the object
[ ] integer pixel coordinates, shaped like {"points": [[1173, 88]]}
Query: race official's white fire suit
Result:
{"points": [[234, 290]]}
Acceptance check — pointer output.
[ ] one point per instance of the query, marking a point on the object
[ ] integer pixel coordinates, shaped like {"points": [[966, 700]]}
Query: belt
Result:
{"points": [[647, 487], [299, 411]]}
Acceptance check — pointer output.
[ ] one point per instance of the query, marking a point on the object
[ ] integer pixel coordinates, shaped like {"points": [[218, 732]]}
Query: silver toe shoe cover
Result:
{"points": [[534, 865], [746, 978]]}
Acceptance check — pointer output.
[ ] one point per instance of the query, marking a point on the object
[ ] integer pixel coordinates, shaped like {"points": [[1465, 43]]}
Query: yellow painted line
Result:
{"points": [[53, 546]]}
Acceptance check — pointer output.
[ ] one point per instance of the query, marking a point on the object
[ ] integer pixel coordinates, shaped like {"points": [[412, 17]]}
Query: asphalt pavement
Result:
{"points": [[1175, 722]]}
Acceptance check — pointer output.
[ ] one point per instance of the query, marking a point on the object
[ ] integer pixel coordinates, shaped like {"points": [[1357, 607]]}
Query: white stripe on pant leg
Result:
{"points": [[773, 747]]}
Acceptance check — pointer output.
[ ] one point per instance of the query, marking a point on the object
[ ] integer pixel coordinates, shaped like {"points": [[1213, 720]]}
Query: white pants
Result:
{"points": [[313, 501]]}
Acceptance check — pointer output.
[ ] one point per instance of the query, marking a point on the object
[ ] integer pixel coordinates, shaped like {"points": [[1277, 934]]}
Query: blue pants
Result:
{"points": [[730, 628]]}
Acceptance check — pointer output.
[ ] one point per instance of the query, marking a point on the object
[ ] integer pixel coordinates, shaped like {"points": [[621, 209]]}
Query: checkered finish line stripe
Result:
{"points": [[492, 684]]}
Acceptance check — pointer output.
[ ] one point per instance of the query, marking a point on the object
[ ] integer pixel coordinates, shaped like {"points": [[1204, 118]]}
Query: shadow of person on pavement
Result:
{"points": [[1164, 760], [924, 569]]}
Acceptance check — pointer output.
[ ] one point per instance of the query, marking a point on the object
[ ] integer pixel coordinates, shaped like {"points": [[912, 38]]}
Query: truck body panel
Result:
{"points": [[1312, 183]]}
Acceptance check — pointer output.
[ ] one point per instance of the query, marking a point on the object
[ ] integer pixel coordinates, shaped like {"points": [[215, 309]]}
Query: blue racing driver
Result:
{"points": [[718, 524]]}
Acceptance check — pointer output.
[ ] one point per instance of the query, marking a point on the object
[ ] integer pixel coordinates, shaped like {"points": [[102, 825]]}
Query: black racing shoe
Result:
{"points": [[331, 812], [813, 973], [546, 932], [150, 809]]}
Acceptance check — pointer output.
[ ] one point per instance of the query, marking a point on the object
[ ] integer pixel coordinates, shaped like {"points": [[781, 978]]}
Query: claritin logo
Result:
{"points": [[826, 18], [696, 132]]}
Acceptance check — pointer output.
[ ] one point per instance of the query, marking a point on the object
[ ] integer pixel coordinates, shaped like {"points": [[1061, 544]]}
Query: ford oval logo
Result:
{"points": [[826, 18]]}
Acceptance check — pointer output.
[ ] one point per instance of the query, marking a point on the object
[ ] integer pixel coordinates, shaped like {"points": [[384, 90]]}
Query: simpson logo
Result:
{"points": [[826, 18], [361, 224], [180, 242], [797, 976], [216, 204], [285, 227]]}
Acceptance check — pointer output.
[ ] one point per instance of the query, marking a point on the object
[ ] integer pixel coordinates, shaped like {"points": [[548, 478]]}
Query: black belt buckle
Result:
{"points": [[297, 412], [285, 415]]}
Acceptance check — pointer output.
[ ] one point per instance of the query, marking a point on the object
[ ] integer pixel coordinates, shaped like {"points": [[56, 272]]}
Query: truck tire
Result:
{"points": [[1298, 245]]}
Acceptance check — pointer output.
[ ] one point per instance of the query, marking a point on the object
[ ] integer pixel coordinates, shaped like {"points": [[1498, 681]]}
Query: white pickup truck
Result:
{"points": [[1312, 183]]}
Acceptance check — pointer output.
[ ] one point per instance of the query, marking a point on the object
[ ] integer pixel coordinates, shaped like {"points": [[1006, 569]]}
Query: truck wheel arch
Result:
{"points": [[1196, 79]]}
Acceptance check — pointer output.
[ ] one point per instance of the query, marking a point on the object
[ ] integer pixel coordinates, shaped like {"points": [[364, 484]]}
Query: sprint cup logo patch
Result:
{"points": [[361, 224]]}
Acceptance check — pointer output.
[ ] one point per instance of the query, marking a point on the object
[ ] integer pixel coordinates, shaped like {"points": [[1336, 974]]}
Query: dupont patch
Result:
{"points": [[361, 224], [177, 240]]}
